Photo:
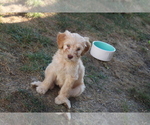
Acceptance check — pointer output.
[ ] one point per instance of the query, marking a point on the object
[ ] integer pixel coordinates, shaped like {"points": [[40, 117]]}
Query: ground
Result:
{"points": [[27, 45]]}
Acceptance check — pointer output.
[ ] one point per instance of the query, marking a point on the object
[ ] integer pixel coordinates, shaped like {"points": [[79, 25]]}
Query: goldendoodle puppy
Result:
{"points": [[66, 69]]}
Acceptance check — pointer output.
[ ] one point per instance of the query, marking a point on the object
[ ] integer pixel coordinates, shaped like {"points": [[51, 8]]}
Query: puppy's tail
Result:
{"points": [[36, 83]]}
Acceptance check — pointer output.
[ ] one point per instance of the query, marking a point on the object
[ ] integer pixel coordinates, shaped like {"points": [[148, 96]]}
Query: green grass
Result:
{"points": [[39, 56], [144, 17], [83, 22], [125, 106], [25, 35], [34, 15], [101, 23], [27, 101], [66, 22], [143, 36], [28, 38], [38, 61], [95, 75], [32, 67], [123, 22], [141, 96]]}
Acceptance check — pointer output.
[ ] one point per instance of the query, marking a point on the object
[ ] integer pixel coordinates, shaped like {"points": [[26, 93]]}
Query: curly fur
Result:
{"points": [[66, 69]]}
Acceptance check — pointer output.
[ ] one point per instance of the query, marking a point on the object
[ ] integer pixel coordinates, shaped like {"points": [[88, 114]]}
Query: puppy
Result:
{"points": [[66, 69]]}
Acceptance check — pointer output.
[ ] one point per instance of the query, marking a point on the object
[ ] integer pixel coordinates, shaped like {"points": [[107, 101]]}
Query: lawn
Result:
{"points": [[28, 42]]}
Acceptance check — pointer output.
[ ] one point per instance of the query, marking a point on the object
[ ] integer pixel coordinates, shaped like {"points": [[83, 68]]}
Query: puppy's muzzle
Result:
{"points": [[70, 56]]}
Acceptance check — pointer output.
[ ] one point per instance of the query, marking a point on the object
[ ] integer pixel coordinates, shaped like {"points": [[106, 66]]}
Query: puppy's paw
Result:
{"points": [[41, 89], [62, 100], [35, 84]]}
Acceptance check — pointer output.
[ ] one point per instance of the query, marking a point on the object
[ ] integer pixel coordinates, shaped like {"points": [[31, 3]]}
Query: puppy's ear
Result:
{"points": [[87, 46], [60, 39]]}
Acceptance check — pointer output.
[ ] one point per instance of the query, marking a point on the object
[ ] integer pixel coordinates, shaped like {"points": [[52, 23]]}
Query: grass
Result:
{"points": [[66, 22], [25, 35], [144, 50], [38, 61], [125, 106], [27, 101], [39, 56], [34, 15], [32, 67], [128, 28], [27, 38], [141, 96], [31, 44], [121, 22], [95, 76]]}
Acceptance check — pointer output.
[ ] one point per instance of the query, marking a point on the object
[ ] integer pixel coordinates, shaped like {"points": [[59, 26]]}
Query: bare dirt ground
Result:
{"points": [[121, 85]]}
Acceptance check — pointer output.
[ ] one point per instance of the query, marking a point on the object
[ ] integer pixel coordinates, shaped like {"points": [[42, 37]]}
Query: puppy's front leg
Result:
{"points": [[48, 82], [45, 85], [63, 96]]}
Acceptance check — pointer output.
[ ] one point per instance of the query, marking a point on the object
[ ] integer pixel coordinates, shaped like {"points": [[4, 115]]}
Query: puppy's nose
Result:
{"points": [[70, 56]]}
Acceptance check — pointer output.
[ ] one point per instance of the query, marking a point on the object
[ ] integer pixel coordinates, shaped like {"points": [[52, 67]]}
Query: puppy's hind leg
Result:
{"points": [[78, 90]]}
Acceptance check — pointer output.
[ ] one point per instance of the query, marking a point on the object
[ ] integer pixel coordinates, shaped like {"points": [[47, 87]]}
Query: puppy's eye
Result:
{"points": [[68, 45], [78, 49]]}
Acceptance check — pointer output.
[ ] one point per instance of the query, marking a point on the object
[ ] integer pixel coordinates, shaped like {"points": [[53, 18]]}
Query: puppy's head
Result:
{"points": [[72, 45]]}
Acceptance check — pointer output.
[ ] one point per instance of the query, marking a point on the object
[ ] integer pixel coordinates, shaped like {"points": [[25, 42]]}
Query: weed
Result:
{"points": [[125, 106]]}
